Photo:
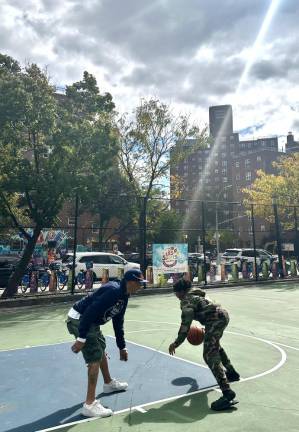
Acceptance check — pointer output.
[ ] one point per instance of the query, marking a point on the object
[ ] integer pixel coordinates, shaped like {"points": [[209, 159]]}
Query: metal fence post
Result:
{"points": [[142, 234], [254, 241], [204, 240], [75, 243], [278, 239], [296, 240]]}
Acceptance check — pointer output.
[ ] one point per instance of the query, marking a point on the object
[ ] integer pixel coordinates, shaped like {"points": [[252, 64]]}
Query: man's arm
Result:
{"points": [[118, 326]]}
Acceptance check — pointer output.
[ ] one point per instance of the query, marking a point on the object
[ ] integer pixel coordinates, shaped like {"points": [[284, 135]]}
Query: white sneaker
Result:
{"points": [[96, 410], [115, 386]]}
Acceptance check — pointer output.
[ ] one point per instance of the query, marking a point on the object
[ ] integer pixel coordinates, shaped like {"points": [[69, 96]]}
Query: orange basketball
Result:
{"points": [[196, 335]]}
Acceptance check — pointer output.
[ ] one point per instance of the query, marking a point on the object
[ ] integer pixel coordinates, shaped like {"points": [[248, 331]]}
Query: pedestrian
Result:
{"points": [[196, 306], [84, 321]]}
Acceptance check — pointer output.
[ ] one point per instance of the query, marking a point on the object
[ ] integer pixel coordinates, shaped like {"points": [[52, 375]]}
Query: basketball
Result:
{"points": [[196, 335]]}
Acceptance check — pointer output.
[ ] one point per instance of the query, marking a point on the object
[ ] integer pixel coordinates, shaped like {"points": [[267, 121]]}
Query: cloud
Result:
{"points": [[191, 54]]}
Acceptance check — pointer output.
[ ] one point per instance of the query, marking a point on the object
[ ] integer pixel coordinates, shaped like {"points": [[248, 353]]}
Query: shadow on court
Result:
{"points": [[44, 387]]}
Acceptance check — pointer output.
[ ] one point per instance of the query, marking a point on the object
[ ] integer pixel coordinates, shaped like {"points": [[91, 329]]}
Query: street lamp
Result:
{"points": [[217, 223]]}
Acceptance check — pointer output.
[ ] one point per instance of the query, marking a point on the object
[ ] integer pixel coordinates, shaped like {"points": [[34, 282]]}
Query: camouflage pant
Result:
{"points": [[213, 354]]}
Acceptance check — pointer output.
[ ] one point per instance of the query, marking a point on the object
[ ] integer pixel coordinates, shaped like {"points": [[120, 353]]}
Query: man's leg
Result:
{"points": [[93, 373], [105, 369], [110, 385]]}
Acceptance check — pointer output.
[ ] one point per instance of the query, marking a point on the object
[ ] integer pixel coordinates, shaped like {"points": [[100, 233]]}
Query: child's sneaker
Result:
{"points": [[232, 375], [96, 410], [115, 386], [225, 402]]}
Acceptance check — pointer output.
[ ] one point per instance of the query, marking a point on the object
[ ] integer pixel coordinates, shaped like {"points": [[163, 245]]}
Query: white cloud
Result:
{"points": [[191, 54]]}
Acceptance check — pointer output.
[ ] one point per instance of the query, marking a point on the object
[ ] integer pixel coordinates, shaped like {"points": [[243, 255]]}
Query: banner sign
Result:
{"points": [[170, 258]]}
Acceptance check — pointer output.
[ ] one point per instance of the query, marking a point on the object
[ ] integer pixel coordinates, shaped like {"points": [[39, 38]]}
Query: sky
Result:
{"points": [[191, 54]]}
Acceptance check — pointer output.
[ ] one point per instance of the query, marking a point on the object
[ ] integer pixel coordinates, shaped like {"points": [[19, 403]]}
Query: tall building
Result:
{"points": [[220, 172], [221, 120], [292, 146]]}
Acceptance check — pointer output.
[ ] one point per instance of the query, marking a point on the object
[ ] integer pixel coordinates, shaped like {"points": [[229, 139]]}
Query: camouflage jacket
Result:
{"points": [[195, 306]]}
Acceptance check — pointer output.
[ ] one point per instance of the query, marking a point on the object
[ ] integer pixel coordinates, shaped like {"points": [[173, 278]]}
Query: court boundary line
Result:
{"points": [[140, 408], [135, 408]]}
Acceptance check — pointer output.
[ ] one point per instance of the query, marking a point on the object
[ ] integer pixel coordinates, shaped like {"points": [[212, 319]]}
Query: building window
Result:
{"points": [[237, 164], [224, 171], [224, 179], [238, 177], [263, 228], [71, 221], [259, 158], [248, 175], [224, 163], [216, 171], [247, 162], [94, 229]]}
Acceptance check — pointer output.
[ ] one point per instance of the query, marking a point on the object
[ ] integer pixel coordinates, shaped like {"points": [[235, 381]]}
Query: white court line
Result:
{"points": [[129, 409], [138, 407], [281, 363], [286, 346]]}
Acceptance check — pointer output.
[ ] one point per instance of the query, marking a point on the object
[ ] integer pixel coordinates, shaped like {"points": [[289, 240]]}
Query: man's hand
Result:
{"points": [[123, 354], [77, 346], [171, 349]]}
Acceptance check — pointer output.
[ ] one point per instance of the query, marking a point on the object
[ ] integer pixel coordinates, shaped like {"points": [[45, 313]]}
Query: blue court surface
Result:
{"points": [[43, 387]]}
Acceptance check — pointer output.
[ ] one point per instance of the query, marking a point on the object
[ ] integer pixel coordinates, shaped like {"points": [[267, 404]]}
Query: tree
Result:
{"points": [[102, 182], [47, 146], [164, 225], [146, 141], [283, 189]]}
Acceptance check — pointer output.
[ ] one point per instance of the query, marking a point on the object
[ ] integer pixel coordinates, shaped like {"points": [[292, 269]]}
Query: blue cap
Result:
{"points": [[134, 275]]}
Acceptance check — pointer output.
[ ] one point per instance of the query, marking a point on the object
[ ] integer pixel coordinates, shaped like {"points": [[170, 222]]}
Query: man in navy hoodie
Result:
{"points": [[84, 321]]}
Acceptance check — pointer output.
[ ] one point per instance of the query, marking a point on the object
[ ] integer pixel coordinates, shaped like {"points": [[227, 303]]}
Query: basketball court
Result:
{"points": [[43, 384]]}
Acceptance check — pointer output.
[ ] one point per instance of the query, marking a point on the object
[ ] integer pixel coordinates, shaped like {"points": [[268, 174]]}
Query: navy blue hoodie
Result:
{"points": [[106, 303]]}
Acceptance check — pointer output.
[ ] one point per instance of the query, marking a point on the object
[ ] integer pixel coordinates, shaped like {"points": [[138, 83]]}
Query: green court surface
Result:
{"points": [[262, 341]]}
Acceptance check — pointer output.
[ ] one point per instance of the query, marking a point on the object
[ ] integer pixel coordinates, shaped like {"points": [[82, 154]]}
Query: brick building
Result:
{"points": [[220, 172]]}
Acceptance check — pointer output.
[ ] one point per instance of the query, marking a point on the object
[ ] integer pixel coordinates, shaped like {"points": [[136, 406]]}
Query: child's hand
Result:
{"points": [[171, 349]]}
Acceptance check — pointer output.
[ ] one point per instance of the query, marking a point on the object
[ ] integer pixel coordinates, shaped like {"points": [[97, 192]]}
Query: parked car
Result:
{"points": [[195, 259], [135, 257], [101, 261], [7, 266], [240, 256]]}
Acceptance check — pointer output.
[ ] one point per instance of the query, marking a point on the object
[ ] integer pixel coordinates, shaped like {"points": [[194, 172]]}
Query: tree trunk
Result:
{"points": [[16, 277]]}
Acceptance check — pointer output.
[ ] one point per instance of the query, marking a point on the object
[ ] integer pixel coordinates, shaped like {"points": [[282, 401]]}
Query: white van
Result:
{"points": [[102, 260]]}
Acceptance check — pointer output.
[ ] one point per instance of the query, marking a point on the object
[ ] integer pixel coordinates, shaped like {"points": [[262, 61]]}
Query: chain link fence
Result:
{"points": [[226, 243]]}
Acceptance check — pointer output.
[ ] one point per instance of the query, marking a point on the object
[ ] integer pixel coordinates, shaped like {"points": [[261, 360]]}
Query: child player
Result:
{"points": [[195, 306]]}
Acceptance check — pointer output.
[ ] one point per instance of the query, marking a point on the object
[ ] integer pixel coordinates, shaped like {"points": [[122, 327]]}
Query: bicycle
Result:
{"points": [[62, 278], [86, 277], [30, 280]]}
